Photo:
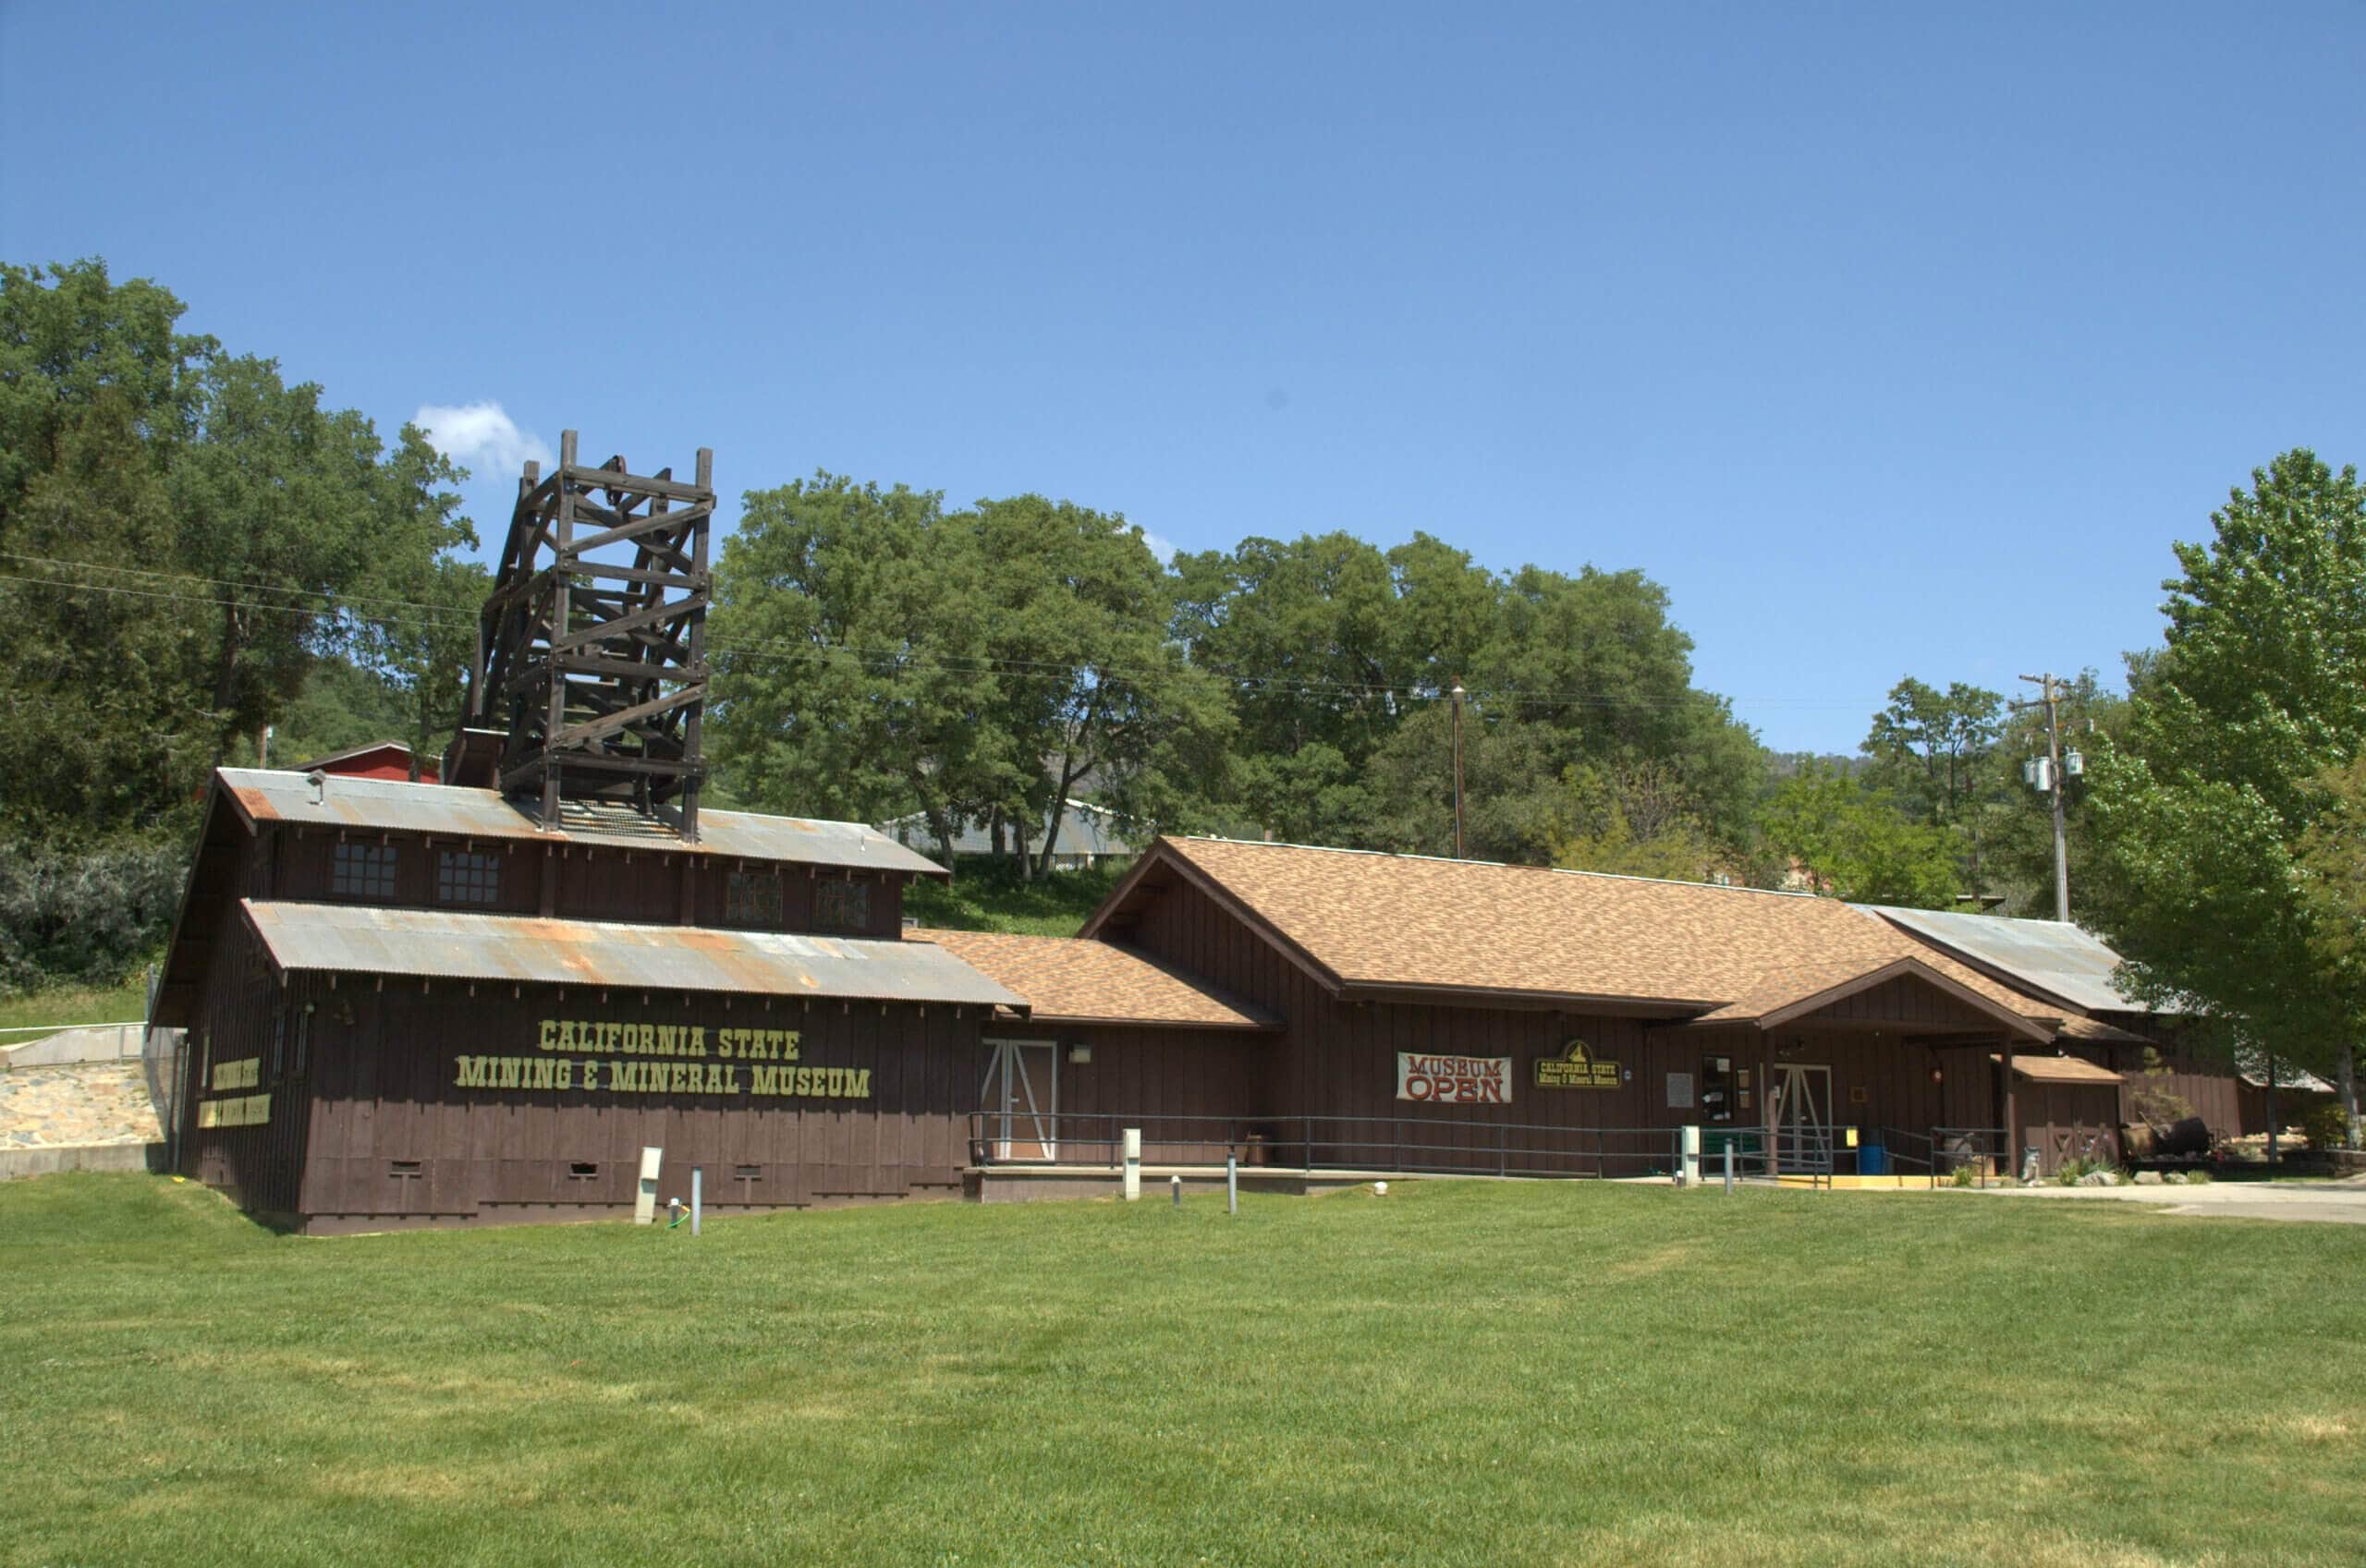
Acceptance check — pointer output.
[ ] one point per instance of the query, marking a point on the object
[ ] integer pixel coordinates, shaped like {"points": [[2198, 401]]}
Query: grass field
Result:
{"points": [[126, 1003], [1456, 1373]]}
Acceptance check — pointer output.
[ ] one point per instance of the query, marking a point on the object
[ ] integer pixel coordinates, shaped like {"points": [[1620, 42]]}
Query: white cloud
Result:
{"points": [[482, 438], [1160, 545]]}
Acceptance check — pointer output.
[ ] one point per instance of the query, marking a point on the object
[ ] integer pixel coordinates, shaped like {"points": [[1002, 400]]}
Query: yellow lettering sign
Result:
{"points": [[630, 1072], [1576, 1068]]}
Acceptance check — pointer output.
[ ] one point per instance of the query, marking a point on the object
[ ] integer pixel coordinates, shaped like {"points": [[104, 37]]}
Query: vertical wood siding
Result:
{"points": [[1192, 1092], [386, 1098], [247, 1015], [1331, 1077], [593, 882]]}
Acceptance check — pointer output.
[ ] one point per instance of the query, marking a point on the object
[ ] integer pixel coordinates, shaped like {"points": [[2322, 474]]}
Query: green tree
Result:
{"points": [[877, 656], [848, 627], [2016, 821], [340, 705], [184, 542], [2332, 856], [1636, 821], [1593, 662], [1342, 657], [1854, 843], [1092, 687], [73, 341], [1930, 750], [1513, 796], [1307, 636], [182, 538], [2202, 807]]}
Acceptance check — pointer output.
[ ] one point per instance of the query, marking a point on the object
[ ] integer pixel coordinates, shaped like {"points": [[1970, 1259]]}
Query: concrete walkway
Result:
{"points": [[76, 1104], [2338, 1203]]}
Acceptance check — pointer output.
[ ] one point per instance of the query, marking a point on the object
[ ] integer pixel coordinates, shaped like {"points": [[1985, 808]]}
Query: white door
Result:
{"points": [[1021, 1097], [1803, 1116]]}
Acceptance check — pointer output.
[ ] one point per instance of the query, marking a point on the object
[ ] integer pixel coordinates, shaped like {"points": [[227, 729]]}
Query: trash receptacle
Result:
{"points": [[1872, 1160]]}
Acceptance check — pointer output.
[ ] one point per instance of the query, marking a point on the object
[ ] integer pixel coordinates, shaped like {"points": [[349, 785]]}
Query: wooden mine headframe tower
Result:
{"points": [[591, 651]]}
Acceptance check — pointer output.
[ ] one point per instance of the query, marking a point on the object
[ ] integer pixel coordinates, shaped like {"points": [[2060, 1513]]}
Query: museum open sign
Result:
{"points": [[1453, 1080]]}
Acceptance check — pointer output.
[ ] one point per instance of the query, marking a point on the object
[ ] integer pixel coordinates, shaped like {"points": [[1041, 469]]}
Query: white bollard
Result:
{"points": [[1231, 1184], [1133, 1164], [1174, 1184], [698, 1185], [1691, 1176], [644, 1203]]}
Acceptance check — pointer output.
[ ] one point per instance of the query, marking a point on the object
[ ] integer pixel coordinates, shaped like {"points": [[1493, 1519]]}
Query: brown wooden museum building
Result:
{"points": [[478, 1000], [408, 1003]]}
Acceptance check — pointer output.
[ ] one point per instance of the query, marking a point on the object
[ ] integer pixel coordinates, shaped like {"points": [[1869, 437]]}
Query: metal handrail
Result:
{"points": [[1329, 1142], [1983, 1148]]}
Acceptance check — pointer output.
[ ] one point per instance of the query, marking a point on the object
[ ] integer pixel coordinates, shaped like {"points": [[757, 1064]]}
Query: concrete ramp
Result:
{"points": [[93, 1043]]}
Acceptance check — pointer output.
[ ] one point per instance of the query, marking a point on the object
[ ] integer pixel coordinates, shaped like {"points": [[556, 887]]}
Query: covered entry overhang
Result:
{"points": [[1905, 996], [1826, 1033]]}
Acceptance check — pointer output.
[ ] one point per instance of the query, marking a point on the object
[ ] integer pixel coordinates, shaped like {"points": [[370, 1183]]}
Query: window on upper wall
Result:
{"points": [[363, 870], [752, 898], [465, 877], [841, 906]]}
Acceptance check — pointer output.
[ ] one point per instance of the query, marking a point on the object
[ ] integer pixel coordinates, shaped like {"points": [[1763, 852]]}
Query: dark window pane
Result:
{"points": [[363, 870], [464, 877], [752, 898], [842, 906]]}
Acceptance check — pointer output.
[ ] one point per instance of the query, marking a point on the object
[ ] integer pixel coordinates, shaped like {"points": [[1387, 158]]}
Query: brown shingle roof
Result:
{"points": [[1073, 979], [2060, 1070], [2096, 1032], [1391, 921], [1788, 985]]}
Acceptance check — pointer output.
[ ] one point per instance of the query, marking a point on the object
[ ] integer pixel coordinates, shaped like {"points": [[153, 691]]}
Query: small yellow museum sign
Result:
{"points": [[1575, 1068]]}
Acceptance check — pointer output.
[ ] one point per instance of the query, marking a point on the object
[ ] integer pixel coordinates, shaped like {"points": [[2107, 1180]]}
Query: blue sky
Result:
{"points": [[1890, 339]]}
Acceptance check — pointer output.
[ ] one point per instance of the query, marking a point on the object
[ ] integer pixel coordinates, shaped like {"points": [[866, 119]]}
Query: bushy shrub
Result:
{"points": [[2327, 1128], [84, 917], [2157, 1107]]}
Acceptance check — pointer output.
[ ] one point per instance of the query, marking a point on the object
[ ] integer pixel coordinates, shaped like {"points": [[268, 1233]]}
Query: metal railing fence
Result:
{"points": [[1411, 1144], [1984, 1151]]}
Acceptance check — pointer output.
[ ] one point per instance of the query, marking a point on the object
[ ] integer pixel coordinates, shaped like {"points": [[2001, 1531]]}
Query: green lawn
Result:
{"points": [[1457, 1373], [127, 1004], [988, 898]]}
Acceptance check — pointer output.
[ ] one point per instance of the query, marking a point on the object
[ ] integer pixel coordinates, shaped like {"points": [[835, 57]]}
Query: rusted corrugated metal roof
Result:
{"points": [[446, 945], [399, 805]]}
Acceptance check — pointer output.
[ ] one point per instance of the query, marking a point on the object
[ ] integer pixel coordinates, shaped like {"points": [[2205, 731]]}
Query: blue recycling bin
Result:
{"points": [[1872, 1160]]}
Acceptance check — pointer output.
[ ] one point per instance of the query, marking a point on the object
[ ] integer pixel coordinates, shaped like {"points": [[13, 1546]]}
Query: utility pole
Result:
{"points": [[1457, 769], [2052, 703]]}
